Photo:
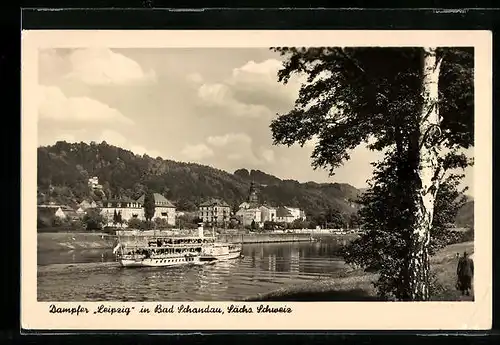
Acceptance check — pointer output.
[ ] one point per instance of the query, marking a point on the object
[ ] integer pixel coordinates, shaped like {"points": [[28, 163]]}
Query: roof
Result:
{"points": [[118, 200], [160, 200], [87, 204], [214, 202], [268, 207], [283, 212]]}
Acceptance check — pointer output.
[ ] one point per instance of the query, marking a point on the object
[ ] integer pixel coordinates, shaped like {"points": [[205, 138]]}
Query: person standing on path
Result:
{"points": [[465, 273]]}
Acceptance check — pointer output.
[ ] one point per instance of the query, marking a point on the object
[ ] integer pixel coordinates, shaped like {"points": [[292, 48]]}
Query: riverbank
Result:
{"points": [[64, 241], [356, 285]]}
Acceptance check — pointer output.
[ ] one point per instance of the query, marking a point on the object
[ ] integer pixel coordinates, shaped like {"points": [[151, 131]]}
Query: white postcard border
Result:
{"points": [[305, 315]]}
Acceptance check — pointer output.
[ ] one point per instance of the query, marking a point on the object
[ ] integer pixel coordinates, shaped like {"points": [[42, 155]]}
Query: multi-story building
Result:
{"points": [[214, 211], [164, 209], [249, 215], [126, 207]]}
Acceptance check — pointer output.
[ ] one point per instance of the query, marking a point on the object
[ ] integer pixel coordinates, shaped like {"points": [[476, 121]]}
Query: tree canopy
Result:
{"points": [[416, 105], [353, 95], [149, 206]]}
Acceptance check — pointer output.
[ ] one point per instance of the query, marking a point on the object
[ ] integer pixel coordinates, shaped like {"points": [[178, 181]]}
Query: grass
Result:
{"points": [[357, 285]]}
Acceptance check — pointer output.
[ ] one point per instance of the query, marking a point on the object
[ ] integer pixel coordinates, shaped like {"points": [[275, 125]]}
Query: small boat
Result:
{"points": [[220, 251]]}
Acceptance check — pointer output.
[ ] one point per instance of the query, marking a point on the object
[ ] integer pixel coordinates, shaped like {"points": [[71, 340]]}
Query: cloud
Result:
{"points": [[251, 91], [268, 155], [229, 138], [195, 78], [220, 95], [111, 137], [234, 157], [117, 139], [54, 105], [197, 152], [93, 66]]}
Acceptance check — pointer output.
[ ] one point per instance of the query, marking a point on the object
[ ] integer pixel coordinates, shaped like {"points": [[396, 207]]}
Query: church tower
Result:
{"points": [[252, 195]]}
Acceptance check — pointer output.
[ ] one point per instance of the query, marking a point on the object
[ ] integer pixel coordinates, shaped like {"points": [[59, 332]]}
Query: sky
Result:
{"points": [[209, 106]]}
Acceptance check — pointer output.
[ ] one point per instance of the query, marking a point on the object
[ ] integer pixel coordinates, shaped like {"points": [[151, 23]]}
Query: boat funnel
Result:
{"points": [[200, 230]]}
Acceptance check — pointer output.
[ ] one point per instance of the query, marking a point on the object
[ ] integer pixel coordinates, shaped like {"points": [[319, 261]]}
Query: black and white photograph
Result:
{"points": [[202, 180]]}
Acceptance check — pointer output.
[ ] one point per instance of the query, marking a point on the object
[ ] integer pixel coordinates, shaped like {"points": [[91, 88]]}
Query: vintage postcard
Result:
{"points": [[256, 180]]}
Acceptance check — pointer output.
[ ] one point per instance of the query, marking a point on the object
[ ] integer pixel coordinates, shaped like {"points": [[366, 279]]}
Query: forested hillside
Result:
{"points": [[64, 169]]}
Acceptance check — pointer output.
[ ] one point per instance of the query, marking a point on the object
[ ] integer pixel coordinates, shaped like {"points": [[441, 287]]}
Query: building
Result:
{"points": [[283, 215], [164, 209], [244, 205], [268, 213], [249, 215], [58, 211], [289, 214], [214, 211], [94, 183], [69, 213], [297, 213], [128, 209], [84, 205]]}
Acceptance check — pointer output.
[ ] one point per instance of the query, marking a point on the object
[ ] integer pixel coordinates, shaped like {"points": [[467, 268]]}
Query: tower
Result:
{"points": [[252, 195]]}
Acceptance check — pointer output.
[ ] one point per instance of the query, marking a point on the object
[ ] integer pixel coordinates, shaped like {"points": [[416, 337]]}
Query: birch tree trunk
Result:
{"points": [[429, 175]]}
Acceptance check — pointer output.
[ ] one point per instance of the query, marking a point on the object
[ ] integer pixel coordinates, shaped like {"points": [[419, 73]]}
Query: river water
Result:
{"points": [[94, 275]]}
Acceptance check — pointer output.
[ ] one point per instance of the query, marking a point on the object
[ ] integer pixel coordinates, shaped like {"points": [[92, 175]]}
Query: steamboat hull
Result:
{"points": [[160, 262]]}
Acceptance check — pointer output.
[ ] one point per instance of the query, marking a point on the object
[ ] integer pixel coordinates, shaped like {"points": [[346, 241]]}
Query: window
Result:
{"points": [[164, 214]]}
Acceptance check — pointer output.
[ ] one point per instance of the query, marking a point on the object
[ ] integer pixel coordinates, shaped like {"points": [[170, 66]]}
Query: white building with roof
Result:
{"points": [[126, 207], [164, 209]]}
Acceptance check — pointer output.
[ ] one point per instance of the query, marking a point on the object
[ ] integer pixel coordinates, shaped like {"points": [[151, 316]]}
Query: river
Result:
{"points": [[94, 275]]}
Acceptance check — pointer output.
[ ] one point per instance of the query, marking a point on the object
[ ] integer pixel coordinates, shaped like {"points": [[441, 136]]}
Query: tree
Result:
{"points": [[161, 223], [134, 223], [93, 219], [335, 219], [383, 248], [354, 221], [416, 102], [253, 226], [119, 218], [149, 206], [115, 217]]}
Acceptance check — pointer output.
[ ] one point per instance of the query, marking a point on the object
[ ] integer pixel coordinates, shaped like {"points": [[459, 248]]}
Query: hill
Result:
{"points": [[64, 170], [465, 216]]}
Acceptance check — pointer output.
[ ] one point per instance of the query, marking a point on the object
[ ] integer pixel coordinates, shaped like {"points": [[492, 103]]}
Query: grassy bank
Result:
{"points": [[73, 241], [357, 285]]}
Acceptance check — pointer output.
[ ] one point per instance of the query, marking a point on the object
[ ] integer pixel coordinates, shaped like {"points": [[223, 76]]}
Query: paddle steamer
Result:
{"points": [[154, 251]]}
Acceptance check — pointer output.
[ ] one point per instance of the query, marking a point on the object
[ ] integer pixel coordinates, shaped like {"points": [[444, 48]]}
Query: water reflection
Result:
{"points": [[95, 276]]}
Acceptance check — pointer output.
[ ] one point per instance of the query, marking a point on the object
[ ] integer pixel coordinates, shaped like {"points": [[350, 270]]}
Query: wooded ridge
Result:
{"points": [[64, 169]]}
